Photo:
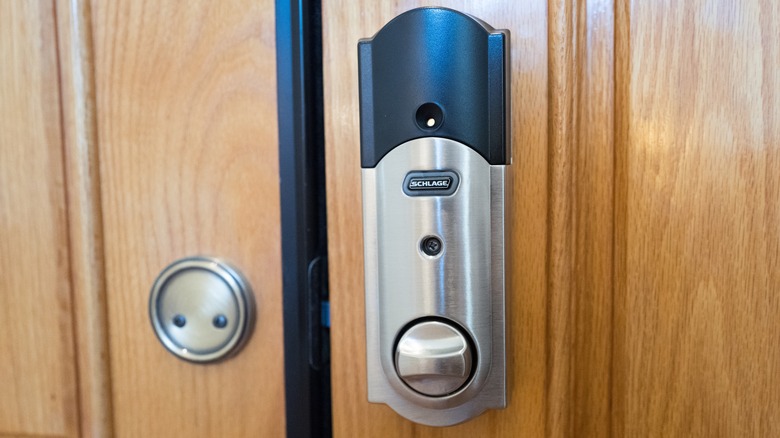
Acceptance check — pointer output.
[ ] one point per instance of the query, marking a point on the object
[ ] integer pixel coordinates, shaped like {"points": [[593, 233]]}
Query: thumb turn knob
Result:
{"points": [[433, 358]]}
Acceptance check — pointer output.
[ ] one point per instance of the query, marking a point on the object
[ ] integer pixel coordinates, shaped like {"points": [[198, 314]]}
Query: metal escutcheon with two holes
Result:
{"points": [[201, 309]]}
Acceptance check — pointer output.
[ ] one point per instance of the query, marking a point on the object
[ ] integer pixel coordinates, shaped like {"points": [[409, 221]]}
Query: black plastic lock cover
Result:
{"points": [[454, 64]]}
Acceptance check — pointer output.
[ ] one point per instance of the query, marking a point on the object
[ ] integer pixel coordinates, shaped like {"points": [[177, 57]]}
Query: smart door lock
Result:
{"points": [[434, 116]]}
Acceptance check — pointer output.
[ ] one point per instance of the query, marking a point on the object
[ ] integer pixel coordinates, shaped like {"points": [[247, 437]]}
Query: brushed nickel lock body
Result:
{"points": [[434, 108], [201, 309]]}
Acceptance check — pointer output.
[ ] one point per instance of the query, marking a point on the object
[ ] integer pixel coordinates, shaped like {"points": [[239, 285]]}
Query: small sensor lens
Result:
{"points": [[429, 116]]}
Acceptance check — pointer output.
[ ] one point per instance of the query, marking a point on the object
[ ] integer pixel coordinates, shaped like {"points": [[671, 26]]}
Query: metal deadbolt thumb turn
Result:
{"points": [[433, 358]]}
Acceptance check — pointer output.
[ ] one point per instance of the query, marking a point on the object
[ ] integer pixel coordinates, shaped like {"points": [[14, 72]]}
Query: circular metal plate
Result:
{"points": [[201, 309]]}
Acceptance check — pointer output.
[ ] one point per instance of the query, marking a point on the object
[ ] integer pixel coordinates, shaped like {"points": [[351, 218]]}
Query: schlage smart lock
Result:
{"points": [[434, 116]]}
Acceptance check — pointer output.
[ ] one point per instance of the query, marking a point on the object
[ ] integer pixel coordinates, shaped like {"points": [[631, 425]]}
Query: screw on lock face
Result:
{"points": [[431, 246]]}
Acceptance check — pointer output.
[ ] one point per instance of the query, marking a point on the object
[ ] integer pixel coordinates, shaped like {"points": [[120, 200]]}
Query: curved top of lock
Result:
{"points": [[435, 72]]}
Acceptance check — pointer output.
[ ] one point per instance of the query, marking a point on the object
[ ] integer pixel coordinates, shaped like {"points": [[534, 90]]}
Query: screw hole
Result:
{"points": [[179, 321], [220, 321]]}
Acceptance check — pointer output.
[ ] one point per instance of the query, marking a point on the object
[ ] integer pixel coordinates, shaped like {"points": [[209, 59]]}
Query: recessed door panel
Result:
{"points": [[698, 219], [38, 382], [187, 128]]}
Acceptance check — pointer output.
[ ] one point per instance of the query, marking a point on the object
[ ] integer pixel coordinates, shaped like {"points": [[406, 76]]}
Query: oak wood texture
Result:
{"points": [[579, 252], [187, 134], [74, 37], [344, 22], [38, 381], [697, 336]]}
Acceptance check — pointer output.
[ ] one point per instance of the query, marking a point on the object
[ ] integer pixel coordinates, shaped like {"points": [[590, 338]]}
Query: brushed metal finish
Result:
{"points": [[201, 309], [465, 283], [433, 358]]}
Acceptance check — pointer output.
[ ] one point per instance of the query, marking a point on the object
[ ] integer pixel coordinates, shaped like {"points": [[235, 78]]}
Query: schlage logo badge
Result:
{"points": [[431, 183], [437, 182]]}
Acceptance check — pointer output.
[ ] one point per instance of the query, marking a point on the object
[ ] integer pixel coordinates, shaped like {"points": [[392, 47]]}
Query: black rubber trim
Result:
{"points": [[303, 218]]}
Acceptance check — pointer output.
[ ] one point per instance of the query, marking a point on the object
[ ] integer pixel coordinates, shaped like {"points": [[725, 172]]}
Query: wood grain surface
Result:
{"points": [[697, 346], [344, 22], [38, 382], [186, 105], [85, 222], [579, 251]]}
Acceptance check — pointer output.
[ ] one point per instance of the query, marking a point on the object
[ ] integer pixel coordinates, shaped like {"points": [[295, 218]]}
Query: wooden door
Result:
{"points": [[133, 134], [645, 246], [697, 219], [38, 374], [187, 132]]}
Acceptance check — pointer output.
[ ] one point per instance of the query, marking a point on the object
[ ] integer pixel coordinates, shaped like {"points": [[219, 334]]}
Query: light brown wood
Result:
{"points": [[38, 383], [344, 22], [186, 117], [698, 219], [74, 36], [580, 213]]}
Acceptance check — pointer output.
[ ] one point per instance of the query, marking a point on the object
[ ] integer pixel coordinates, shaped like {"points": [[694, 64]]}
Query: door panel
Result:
{"points": [[697, 342], [344, 22], [37, 364], [37, 361], [187, 130]]}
